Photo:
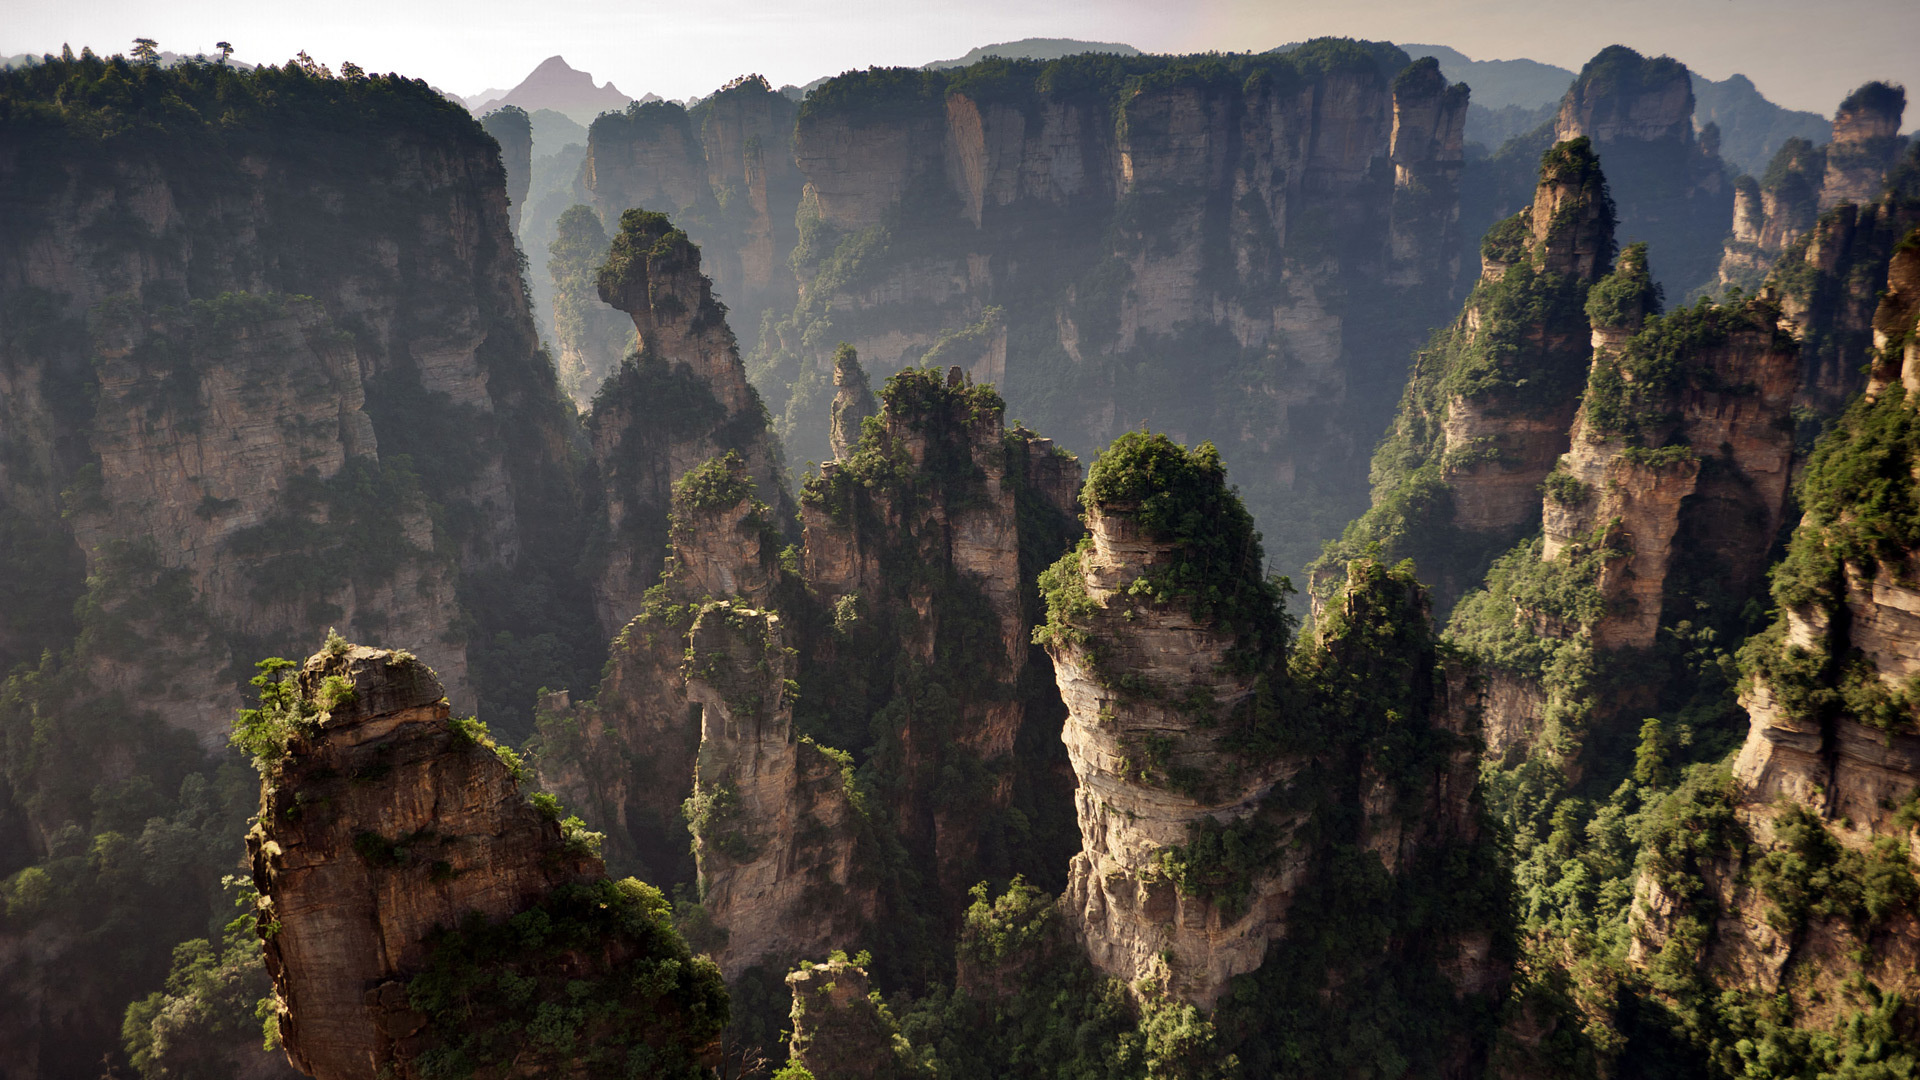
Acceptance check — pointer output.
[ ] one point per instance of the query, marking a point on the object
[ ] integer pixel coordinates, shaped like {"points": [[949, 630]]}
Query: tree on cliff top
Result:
{"points": [[1181, 497]]}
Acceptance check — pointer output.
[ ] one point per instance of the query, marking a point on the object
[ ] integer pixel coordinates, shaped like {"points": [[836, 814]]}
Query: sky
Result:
{"points": [[1804, 54]]}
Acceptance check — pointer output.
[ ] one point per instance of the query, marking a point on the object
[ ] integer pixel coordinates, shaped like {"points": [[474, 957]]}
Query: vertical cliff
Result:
{"points": [[416, 907], [1228, 799], [1804, 891], [592, 336], [775, 826], [1486, 412], [1682, 449], [922, 544], [682, 398], [725, 170], [1112, 241], [852, 402], [513, 130], [1669, 186], [268, 367], [1866, 144]]}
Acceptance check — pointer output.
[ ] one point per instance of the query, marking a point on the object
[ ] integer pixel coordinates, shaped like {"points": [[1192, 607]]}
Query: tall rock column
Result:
{"points": [[774, 826], [1145, 684], [626, 757], [1485, 415], [1427, 150], [1638, 112], [1866, 144], [683, 400], [393, 843]]}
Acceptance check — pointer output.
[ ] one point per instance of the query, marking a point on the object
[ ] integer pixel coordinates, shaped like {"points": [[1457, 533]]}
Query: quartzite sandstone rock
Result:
{"points": [[381, 825]]}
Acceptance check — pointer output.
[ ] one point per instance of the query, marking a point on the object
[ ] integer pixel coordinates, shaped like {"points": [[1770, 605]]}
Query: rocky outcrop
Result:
{"points": [[289, 383], [1223, 225], [683, 399], [841, 1030], [385, 825], [1163, 696], [513, 130], [1866, 144], [1487, 410], [852, 402], [1851, 625], [774, 824], [1638, 112], [724, 169]]}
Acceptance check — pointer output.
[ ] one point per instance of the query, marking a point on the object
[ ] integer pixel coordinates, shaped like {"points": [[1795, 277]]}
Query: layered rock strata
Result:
{"points": [[1134, 922], [1486, 413], [1638, 112], [1829, 284], [1226, 228], [918, 537], [1803, 181], [774, 826], [680, 400]]}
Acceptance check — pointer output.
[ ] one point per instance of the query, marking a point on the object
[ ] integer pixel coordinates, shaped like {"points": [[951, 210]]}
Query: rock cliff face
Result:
{"points": [[1804, 180], [1638, 112], [917, 541], [1666, 457], [626, 757], [724, 170], [387, 834], [1185, 744], [1829, 283], [1486, 413], [513, 130], [1224, 227], [681, 400], [591, 336], [1827, 777], [288, 381], [774, 826], [852, 403], [1133, 919], [1866, 144]]}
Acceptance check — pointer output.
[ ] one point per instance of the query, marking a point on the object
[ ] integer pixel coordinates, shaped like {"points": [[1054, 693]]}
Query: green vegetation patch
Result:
{"points": [[1215, 565], [593, 976]]}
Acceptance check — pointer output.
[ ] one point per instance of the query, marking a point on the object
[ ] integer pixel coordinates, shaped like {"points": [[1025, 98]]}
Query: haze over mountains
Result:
{"points": [[1072, 564]]}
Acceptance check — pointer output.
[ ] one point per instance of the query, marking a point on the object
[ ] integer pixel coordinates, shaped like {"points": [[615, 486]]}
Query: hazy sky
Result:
{"points": [[1803, 53]]}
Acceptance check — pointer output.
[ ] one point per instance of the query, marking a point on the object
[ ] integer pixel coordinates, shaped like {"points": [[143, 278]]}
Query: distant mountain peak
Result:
{"points": [[557, 85]]}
